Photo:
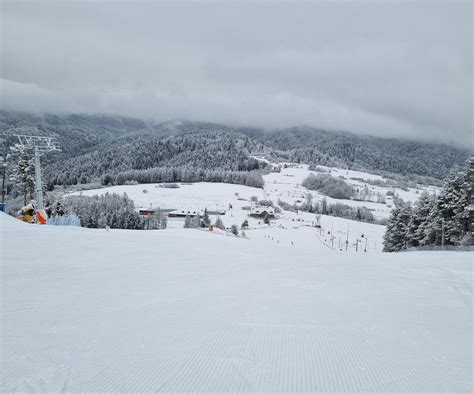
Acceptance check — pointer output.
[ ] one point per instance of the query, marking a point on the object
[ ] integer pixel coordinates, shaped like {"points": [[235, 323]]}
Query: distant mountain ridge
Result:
{"points": [[94, 145], [77, 133], [403, 156]]}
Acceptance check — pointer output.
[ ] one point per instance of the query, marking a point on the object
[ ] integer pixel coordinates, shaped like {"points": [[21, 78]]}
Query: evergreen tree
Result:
{"points": [[309, 202], [395, 237], [25, 177], [452, 203], [206, 222], [196, 221], [157, 221], [389, 239], [219, 224], [468, 215], [419, 220], [187, 222], [163, 220], [266, 219], [432, 230], [324, 206], [234, 230]]}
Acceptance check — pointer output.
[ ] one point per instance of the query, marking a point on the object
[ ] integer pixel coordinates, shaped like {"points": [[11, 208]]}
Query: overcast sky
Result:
{"points": [[392, 68]]}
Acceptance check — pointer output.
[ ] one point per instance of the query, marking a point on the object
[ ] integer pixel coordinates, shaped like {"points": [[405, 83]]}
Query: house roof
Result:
{"points": [[260, 210], [186, 211]]}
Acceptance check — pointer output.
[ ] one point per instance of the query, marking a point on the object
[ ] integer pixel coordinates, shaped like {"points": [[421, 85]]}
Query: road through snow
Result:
{"points": [[184, 310]]}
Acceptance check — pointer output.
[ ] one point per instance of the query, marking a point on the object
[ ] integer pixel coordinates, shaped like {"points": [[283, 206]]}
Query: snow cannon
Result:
{"points": [[32, 214], [27, 213]]}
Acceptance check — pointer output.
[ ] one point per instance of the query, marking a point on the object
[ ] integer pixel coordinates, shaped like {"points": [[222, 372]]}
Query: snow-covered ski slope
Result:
{"points": [[186, 310]]}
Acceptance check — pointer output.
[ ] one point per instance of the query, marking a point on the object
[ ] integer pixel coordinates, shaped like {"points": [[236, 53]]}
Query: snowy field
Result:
{"points": [[285, 185], [286, 228], [187, 310]]}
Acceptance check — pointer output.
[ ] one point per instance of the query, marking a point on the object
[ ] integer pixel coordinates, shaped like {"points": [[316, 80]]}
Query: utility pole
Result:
{"points": [[332, 234], [40, 146], [38, 181], [442, 233], [347, 239], [365, 249], [3, 162]]}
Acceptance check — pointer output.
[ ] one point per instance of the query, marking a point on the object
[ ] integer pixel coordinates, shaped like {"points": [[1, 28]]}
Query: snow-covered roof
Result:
{"points": [[187, 211], [260, 210]]}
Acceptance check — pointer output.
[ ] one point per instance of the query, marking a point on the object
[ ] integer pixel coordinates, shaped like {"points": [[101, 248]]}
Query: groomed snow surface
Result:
{"points": [[184, 310]]}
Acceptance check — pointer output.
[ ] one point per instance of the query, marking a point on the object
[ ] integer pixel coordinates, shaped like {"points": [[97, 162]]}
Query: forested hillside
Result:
{"points": [[314, 146], [77, 133], [195, 147], [95, 146]]}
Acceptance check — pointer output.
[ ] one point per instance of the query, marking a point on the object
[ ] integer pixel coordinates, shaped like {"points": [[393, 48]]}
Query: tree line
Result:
{"points": [[435, 220], [361, 214], [185, 174], [107, 210], [329, 186]]}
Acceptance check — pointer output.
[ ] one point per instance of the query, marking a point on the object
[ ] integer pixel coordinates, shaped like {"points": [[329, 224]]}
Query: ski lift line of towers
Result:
{"points": [[40, 146], [344, 244]]}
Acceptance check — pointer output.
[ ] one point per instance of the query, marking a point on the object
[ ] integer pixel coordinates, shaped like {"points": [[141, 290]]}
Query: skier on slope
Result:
{"points": [[28, 213]]}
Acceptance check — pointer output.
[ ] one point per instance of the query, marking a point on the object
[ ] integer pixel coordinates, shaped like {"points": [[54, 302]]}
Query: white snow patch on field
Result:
{"points": [[186, 310]]}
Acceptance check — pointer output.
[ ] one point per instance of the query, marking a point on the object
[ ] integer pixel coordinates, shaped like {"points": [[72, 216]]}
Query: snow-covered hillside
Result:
{"points": [[185, 310], [286, 228], [285, 186]]}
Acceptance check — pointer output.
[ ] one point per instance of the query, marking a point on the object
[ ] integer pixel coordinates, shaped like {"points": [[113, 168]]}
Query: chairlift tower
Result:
{"points": [[40, 146]]}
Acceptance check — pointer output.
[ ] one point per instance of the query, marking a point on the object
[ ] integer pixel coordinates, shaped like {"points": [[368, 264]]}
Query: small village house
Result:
{"points": [[261, 212]]}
